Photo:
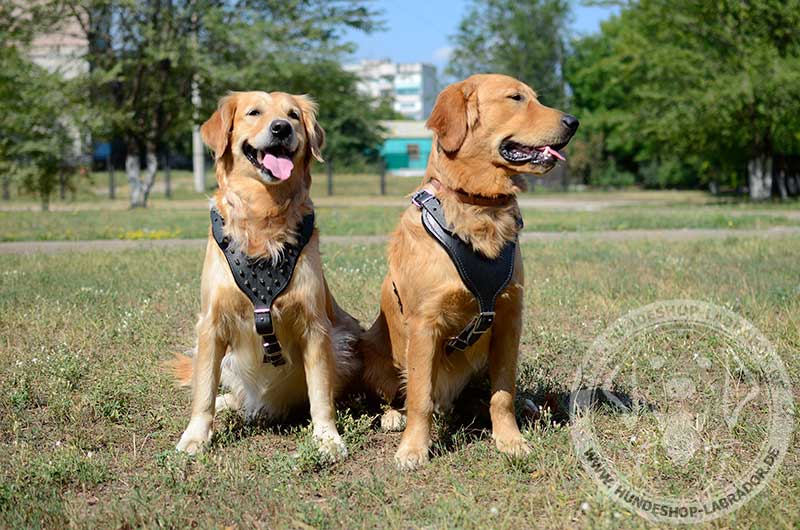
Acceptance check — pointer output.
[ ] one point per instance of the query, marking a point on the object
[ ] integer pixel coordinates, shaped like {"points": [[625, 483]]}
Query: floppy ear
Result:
{"points": [[315, 133], [216, 131], [455, 111]]}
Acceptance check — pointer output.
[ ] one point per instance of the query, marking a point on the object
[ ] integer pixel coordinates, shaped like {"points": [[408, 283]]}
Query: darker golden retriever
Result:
{"points": [[489, 129]]}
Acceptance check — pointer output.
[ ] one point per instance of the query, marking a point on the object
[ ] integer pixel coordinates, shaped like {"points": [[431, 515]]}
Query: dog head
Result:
{"points": [[491, 127], [270, 137]]}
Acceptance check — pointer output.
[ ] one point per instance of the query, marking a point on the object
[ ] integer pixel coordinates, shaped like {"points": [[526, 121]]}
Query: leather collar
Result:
{"points": [[471, 198]]}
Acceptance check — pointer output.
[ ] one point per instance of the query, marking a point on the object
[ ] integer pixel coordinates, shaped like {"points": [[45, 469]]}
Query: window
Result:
{"points": [[413, 152], [407, 90]]}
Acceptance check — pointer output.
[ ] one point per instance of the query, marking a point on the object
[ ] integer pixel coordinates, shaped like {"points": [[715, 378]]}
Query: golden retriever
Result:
{"points": [[263, 145], [488, 130]]}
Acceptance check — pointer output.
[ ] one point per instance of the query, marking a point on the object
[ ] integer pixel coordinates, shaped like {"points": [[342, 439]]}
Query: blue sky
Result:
{"points": [[418, 30]]}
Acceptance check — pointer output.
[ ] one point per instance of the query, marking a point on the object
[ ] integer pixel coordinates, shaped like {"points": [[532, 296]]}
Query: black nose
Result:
{"points": [[570, 122], [280, 128]]}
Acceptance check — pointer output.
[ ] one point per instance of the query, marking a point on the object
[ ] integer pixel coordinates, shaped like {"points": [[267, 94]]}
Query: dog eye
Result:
{"points": [[294, 115], [515, 97], [254, 112]]}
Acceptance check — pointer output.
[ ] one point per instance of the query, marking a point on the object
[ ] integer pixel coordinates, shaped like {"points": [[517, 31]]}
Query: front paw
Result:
{"points": [[393, 421], [514, 446], [194, 440], [331, 447], [411, 456]]}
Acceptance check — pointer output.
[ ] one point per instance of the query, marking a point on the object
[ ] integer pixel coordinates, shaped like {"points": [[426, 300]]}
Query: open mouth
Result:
{"points": [[519, 154], [274, 162]]}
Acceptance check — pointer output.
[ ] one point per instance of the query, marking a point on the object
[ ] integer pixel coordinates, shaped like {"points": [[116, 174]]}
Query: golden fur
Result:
{"points": [[471, 120], [262, 215]]}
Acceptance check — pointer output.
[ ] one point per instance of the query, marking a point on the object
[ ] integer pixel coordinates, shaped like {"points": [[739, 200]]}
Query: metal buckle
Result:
{"points": [[264, 327], [419, 197], [480, 324], [483, 322]]}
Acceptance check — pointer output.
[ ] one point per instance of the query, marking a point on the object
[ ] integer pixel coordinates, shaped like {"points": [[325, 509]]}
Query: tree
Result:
{"points": [[712, 86], [38, 144], [145, 56], [526, 40]]}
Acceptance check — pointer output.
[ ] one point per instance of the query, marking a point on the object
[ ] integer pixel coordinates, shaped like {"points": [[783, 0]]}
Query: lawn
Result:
{"points": [[163, 222], [89, 419]]}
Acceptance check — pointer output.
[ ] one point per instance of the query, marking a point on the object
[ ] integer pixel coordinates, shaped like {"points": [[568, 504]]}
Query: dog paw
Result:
{"points": [[515, 447], [192, 444], [194, 438], [393, 421], [408, 458], [331, 447]]}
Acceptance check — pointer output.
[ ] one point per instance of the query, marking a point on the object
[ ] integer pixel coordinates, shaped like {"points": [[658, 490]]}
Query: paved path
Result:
{"points": [[688, 234]]}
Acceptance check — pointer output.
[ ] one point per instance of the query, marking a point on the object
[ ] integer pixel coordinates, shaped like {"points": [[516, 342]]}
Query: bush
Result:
{"points": [[670, 173], [610, 176]]}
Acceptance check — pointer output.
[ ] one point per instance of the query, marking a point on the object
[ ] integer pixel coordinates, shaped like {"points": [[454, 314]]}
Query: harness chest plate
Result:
{"points": [[262, 279], [484, 277]]}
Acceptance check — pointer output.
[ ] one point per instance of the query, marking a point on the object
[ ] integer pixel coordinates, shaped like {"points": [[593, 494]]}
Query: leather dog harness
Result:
{"points": [[261, 279], [484, 277]]}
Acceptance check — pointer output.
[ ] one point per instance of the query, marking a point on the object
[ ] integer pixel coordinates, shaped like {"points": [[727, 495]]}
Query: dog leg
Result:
{"points": [[320, 368], [205, 380], [227, 401], [393, 420], [503, 354], [416, 441]]}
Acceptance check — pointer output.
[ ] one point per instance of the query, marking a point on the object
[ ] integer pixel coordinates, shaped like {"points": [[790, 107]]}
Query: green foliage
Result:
{"points": [[38, 125], [667, 174], [700, 85], [525, 40], [146, 57], [611, 175]]}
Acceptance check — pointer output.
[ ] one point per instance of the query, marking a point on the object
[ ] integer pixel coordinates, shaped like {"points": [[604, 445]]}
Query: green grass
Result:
{"points": [[161, 222], [89, 419]]}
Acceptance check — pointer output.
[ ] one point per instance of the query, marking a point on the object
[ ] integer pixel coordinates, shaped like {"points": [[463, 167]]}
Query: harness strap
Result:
{"points": [[261, 279], [484, 277]]}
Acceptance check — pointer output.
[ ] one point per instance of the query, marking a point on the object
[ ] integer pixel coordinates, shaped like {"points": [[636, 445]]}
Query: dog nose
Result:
{"points": [[280, 128], [570, 122]]}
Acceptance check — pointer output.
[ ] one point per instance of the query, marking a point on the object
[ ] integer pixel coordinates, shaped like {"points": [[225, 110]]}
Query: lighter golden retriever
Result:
{"points": [[488, 130], [263, 145]]}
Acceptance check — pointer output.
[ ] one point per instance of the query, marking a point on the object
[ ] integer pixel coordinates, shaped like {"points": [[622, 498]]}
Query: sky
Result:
{"points": [[418, 30]]}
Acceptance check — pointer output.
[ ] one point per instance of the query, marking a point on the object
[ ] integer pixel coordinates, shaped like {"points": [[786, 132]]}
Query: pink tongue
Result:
{"points": [[280, 166], [552, 152]]}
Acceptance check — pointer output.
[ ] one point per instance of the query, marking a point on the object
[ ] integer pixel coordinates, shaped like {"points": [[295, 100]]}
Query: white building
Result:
{"points": [[62, 50], [411, 87]]}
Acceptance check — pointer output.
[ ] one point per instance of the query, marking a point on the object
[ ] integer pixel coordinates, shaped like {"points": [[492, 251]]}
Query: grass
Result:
{"points": [[89, 419], [161, 222]]}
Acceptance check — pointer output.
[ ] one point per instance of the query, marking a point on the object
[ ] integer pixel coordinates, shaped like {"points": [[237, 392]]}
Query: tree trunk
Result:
{"points": [[112, 186], [167, 174], [779, 182], [793, 185], [133, 171], [62, 185], [140, 188], [759, 177], [150, 171], [6, 188]]}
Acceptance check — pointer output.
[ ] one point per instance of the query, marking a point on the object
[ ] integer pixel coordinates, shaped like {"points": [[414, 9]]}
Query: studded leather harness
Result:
{"points": [[485, 277], [262, 279]]}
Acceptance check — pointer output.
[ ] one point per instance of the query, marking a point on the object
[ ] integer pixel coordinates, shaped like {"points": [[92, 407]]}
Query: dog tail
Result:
{"points": [[180, 366], [375, 348]]}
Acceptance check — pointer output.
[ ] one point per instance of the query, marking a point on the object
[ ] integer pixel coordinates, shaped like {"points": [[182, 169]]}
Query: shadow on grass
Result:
{"points": [[467, 422]]}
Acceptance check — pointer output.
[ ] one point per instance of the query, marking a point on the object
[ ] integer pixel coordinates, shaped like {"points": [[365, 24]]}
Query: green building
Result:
{"points": [[406, 147]]}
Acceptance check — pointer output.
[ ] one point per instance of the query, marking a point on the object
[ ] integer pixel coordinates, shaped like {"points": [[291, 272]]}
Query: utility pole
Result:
{"points": [[198, 163]]}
